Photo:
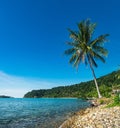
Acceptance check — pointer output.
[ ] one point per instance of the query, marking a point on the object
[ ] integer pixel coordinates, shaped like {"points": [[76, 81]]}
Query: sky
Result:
{"points": [[33, 36]]}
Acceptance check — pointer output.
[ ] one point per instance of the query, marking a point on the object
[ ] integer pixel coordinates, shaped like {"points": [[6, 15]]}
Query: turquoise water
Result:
{"points": [[37, 113]]}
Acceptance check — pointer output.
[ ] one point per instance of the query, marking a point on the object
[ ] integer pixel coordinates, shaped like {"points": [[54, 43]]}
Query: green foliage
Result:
{"points": [[101, 101], [117, 99], [83, 48], [84, 89], [105, 90]]}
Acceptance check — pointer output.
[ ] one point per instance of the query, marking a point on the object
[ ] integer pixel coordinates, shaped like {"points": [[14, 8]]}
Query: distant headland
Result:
{"points": [[3, 96]]}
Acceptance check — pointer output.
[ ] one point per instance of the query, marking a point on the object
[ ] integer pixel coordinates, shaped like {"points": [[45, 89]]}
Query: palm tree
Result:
{"points": [[86, 49]]}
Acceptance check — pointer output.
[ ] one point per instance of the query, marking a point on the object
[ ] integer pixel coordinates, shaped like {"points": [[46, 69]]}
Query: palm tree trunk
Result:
{"points": [[96, 84]]}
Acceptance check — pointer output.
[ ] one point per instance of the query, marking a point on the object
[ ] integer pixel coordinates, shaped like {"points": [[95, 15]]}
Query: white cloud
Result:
{"points": [[18, 93], [17, 86]]}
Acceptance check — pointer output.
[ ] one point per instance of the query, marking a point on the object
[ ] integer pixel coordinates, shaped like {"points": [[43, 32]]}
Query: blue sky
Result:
{"points": [[33, 34]]}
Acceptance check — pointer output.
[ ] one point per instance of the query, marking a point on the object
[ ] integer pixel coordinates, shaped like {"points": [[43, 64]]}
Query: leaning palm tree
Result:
{"points": [[86, 49]]}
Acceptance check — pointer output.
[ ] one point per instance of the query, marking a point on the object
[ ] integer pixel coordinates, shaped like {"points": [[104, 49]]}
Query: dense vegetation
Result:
{"points": [[3, 96], [85, 89]]}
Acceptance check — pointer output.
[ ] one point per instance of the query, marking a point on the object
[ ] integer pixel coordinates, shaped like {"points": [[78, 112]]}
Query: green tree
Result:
{"points": [[86, 49]]}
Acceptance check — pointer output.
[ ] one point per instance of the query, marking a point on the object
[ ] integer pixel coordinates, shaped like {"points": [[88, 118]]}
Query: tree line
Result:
{"points": [[82, 90]]}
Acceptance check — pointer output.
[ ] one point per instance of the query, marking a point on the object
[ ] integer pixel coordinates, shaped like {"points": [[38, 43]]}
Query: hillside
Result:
{"points": [[84, 89]]}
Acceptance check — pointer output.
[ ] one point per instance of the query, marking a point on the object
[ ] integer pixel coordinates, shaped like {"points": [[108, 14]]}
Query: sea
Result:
{"points": [[38, 112]]}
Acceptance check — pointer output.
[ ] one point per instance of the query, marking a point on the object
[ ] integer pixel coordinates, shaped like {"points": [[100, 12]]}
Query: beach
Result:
{"points": [[95, 117]]}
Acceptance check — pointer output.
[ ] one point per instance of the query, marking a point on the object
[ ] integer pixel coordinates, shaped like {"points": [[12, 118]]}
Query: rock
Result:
{"points": [[97, 117]]}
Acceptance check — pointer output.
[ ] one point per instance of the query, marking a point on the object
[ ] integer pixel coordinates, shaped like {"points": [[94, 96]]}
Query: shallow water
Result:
{"points": [[37, 113]]}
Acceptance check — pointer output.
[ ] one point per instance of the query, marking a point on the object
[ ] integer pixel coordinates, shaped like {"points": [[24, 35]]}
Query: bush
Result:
{"points": [[117, 99], [102, 101]]}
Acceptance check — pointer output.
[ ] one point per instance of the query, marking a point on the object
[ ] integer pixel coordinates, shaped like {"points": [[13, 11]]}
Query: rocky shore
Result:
{"points": [[95, 117]]}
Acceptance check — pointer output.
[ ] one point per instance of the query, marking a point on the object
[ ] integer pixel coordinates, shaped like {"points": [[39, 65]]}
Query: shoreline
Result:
{"points": [[71, 119], [94, 117]]}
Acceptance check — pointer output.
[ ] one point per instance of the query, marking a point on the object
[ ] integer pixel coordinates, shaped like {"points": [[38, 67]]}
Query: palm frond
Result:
{"points": [[79, 57], [100, 40], [92, 60], [100, 50], [97, 56], [69, 51], [82, 30], [72, 59], [73, 44], [89, 28], [86, 62], [92, 29], [86, 29], [77, 62], [73, 34]]}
